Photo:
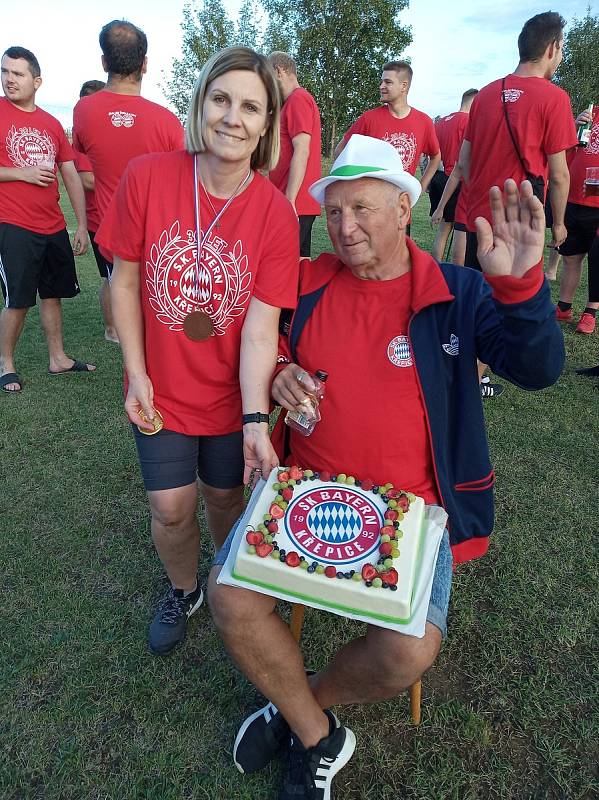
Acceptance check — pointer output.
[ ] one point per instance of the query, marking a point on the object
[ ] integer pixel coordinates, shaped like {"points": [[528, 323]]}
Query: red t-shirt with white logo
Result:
{"points": [[382, 433], [540, 115], [585, 157], [299, 114], [411, 136], [83, 164], [450, 133], [253, 253], [111, 129], [26, 138]]}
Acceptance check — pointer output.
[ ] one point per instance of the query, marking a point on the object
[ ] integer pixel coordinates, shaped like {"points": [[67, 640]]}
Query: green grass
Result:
{"points": [[509, 710]]}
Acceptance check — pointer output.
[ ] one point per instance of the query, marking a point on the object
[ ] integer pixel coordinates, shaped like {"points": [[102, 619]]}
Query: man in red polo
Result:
{"points": [[299, 163]]}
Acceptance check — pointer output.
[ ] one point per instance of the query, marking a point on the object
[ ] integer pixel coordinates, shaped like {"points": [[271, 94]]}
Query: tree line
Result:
{"points": [[340, 46]]}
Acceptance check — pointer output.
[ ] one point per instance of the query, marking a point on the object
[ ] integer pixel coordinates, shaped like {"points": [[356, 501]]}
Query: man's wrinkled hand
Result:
{"points": [[287, 391]]}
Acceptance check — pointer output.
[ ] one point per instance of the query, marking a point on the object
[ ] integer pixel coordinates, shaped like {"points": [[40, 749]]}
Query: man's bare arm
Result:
{"points": [[74, 189], [35, 175], [298, 165], [559, 186], [433, 164], [464, 160]]}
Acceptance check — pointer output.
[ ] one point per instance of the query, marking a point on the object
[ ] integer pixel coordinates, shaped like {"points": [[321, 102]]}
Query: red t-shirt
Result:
{"points": [[450, 133], [299, 114], [26, 138], [585, 157], [111, 129], [83, 164], [411, 136], [253, 252], [380, 433], [540, 114]]}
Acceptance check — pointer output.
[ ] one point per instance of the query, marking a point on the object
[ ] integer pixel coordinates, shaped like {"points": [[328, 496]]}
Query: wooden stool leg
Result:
{"points": [[297, 620], [415, 695]]}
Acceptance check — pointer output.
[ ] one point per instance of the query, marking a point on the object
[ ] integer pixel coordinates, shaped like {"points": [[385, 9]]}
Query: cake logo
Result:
{"points": [[27, 147], [399, 352], [220, 288], [122, 119], [405, 144], [338, 526]]}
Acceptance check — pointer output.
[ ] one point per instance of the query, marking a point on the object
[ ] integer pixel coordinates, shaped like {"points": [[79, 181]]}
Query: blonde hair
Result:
{"points": [[266, 154]]}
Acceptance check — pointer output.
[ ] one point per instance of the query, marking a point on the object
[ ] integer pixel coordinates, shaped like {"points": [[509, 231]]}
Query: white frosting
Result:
{"points": [[335, 524]]}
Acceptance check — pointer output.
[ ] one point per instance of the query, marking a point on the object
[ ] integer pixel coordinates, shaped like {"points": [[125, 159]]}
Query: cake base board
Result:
{"points": [[434, 524]]}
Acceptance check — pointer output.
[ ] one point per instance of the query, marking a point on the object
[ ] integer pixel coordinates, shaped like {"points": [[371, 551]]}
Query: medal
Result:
{"points": [[157, 422], [197, 325]]}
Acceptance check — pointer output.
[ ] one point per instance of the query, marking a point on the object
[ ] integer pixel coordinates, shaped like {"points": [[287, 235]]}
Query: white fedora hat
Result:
{"points": [[366, 157]]}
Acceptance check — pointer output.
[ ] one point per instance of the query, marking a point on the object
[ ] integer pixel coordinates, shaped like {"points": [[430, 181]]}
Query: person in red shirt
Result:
{"points": [[86, 174], [387, 416], [450, 133], [35, 252], [410, 131], [116, 124], [542, 130], [206, 254], [582, 222], [299, 162]]}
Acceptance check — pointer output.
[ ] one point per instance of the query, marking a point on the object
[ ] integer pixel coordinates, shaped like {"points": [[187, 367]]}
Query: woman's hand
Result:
{"points": [[258, 453], [288, 391], [140, 397]]}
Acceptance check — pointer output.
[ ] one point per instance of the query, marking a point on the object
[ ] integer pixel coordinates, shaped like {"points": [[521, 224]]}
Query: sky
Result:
{"points": [[455, 46]]}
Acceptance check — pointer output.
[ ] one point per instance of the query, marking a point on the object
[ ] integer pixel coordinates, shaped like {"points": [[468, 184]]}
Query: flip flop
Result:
{"points": [[78, 366], [10, 377]]}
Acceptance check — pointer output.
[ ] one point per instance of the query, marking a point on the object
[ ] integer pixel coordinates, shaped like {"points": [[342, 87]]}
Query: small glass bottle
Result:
{"points": [[584, 131], [304, 421]]}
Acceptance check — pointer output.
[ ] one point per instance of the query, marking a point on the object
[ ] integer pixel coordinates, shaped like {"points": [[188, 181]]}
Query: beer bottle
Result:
{"points": [[584, 131]]}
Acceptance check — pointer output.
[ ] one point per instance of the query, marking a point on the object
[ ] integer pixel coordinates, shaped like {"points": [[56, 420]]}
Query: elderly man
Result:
{"points": [[403, 405]]}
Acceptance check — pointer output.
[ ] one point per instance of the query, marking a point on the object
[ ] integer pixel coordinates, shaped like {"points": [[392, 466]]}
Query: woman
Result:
{"points": [[199, 335]]}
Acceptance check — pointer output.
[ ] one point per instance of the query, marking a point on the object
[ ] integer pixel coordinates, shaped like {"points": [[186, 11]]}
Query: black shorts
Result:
{"points": [[103, 265], [32, 263], [459, 226], [582, 223], [305, 227], [471, 258], [169, 460], [435, 190]]}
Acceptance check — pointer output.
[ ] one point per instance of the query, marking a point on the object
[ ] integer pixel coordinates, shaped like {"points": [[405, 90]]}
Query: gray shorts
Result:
{"points": [[440, 592]]}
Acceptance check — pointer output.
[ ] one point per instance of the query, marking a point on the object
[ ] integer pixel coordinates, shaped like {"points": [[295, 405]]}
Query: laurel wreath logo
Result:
{"points": [[237, 295], [16, 150]]}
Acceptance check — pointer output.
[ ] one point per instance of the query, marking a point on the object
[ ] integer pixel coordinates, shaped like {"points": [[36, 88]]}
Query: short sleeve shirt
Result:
{"points": [[254, 252], [299, 114], [112, 128], [26, 138], [541, 118], [450, 133], [411, 136], [585, 157]]}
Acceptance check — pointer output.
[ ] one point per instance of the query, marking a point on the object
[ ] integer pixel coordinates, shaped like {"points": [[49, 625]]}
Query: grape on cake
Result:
{"points": [[345, 544]]}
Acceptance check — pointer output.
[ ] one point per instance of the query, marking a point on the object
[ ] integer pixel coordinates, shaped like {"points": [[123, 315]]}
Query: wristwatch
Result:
{"points": [[257, 417]]}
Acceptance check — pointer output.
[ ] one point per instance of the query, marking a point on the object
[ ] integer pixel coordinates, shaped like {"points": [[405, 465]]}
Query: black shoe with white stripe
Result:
{"points": [[488, 389], [263, 736], [311, 770], [169, 626]]}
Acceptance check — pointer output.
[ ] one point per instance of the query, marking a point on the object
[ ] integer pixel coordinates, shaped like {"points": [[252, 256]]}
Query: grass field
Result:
{"points": [[509, 710]]}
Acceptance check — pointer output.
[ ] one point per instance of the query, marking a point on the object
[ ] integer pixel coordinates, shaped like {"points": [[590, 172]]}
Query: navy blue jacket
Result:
{"points": [[456, 321]]}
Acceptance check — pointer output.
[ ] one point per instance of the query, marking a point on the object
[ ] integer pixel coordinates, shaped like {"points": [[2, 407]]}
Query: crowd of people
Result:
{"points": [[202, 237]]}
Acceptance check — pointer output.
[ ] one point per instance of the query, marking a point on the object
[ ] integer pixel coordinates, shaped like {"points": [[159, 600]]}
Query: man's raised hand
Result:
{"points": [[515, 242]]}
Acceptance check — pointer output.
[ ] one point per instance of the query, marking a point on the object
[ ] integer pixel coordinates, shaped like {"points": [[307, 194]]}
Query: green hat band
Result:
{"points": [[352, 169]]}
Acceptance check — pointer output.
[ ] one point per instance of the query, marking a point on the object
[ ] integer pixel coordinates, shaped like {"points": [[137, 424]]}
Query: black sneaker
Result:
{"points": [[263, 736], [169, 626], [491, 390], [311, 770]]}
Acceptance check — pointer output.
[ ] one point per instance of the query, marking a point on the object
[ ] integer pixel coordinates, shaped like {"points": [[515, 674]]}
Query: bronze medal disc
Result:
{"points": [[157, 422], [197, 326]]}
